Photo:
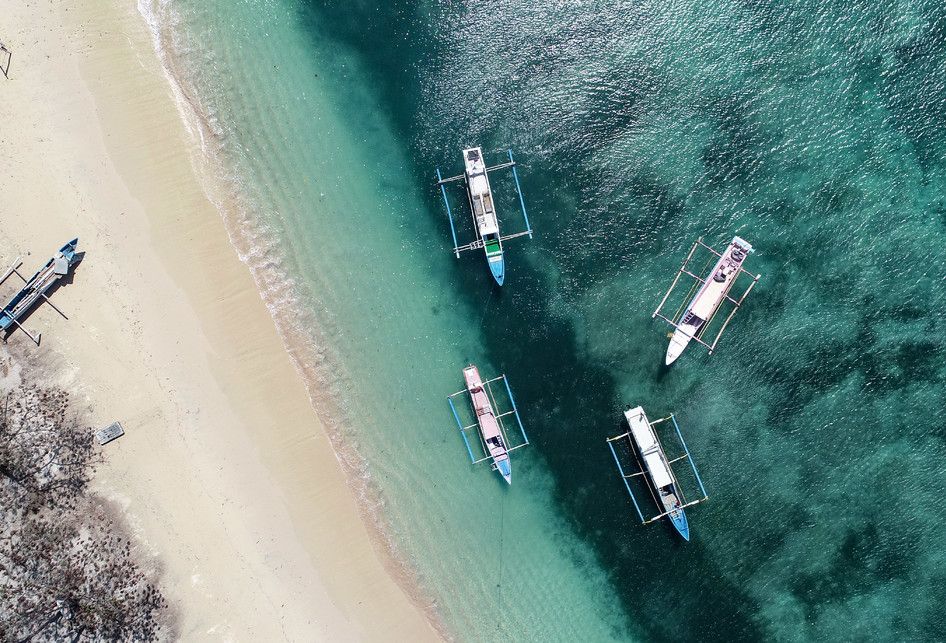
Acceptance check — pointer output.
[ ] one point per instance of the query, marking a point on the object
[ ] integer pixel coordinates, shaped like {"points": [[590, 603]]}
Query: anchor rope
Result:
{"points": [[502, 527], [489, 300]]}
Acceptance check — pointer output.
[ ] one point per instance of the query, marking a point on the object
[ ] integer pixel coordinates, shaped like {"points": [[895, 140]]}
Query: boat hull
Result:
{"points": [[37, 286], [679, 521], [497, 266], [644, 440], [504, 467], [489, 427], [699, 312], [678, 342]]}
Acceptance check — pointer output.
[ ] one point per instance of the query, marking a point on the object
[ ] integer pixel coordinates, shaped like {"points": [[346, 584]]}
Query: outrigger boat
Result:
{"points": [[652, 464], [37, 286], [692, 321], [493, 437], [483, 209]]}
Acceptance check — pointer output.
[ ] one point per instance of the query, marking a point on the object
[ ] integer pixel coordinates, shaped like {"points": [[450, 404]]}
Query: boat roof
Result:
{"points": [[658, 469], [642, 433], [479, 185], [475, 168], [710, 296]]}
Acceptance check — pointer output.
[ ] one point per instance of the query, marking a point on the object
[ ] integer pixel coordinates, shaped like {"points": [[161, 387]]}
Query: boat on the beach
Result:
{"points": [[37, 286], [493, 437], [712, 289], [654, 467], [483, 210]]}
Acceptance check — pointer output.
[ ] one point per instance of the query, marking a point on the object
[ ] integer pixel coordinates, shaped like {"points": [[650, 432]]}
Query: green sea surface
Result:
{"points": [[815, 130]]}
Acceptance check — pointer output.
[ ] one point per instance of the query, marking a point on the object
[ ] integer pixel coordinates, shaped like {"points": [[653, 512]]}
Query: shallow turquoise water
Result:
{"points": [[813, 129]]}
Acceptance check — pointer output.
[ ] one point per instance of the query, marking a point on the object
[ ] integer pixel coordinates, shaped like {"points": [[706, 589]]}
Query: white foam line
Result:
{"points": [[304, 341]]}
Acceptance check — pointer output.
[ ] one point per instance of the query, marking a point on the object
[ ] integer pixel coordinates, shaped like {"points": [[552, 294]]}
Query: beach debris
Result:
{"points": [[654, 469], [494, 439], [485, 222], [109, 433], [696, 312], [36, 287]]}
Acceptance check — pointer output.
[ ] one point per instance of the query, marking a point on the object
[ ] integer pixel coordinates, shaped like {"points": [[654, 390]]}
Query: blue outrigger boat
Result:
{"points": [[494, 439], [37, 286], [654, 466], [482, 207]]}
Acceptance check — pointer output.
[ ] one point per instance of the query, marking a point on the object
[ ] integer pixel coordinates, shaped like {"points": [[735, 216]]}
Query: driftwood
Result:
{"points": [[5, 65]]}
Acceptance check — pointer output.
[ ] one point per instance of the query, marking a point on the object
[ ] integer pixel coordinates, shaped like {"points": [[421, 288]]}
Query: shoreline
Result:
{"points": [[225, 472], [309, 349]]}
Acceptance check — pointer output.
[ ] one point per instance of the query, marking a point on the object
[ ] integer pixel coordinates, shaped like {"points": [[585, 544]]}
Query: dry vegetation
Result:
{"points": [[68, 571]]}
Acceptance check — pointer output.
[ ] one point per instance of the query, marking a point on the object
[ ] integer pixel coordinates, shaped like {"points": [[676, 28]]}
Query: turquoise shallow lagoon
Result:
{"points": [[812, 129]]}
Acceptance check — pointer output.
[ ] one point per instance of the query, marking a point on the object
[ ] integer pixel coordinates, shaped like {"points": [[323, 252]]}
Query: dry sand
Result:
{"points": [[225, 472]]}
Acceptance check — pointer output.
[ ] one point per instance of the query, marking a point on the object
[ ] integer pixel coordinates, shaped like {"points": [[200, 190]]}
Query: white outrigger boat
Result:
{"points": [[483, 209], [712, 289], [653, 464], [493, 437]]}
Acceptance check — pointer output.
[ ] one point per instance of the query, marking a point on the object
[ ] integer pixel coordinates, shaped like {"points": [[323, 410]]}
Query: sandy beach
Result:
{"points": [[225, 473]]}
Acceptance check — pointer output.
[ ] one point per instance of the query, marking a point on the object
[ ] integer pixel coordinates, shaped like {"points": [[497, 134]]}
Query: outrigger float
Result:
{"points": [[493, 437], [36, 287], [692, 320], [482, 207], [653, 465]]}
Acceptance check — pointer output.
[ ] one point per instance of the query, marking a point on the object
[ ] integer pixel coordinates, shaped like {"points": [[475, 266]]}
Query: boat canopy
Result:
{"points": [[640, 428], [486, 221], [478, 184], [646, 439], [658, 470], [643, 434], [481, 197]]}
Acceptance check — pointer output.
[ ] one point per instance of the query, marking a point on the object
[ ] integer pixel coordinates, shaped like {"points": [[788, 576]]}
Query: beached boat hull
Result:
{"points": [[39, 284]]}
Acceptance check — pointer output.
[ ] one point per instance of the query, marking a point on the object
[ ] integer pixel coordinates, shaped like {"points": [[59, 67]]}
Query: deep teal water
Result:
{"points": [[813, 129]]}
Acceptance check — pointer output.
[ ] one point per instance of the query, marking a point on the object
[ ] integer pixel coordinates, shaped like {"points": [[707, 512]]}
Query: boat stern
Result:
{"points": [[742, 244], [678, 342], [471, 377], [497, 266], [504, 467], [679, 520], [69, 250]]}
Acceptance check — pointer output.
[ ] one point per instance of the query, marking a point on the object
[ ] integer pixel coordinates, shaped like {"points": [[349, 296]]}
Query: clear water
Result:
{"points": [[813, 129]]}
